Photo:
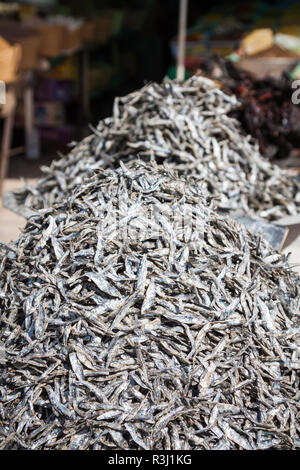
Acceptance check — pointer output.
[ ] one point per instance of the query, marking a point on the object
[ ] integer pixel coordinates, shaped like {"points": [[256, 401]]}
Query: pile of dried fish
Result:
{"points": [[134, 317], [186, 125]]}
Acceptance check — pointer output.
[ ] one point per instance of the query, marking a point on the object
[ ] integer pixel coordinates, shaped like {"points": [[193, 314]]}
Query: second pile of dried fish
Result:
{"points": [[134, 317], [188, 126]]}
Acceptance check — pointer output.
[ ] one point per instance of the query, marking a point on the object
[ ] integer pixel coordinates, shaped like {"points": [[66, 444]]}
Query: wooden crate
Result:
{"points": [[10, 58], [30, 52], [51, 37], [71, 39], [51, 44], [26, 38]]}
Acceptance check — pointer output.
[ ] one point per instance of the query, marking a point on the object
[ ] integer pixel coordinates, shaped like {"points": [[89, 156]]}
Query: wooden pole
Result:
{"points": [[181, 39], [5, 147], [31, 133]]}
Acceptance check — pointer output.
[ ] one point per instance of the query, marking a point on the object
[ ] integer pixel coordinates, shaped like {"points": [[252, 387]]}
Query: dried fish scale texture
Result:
{"points": [[189, 340], [186, 125]]}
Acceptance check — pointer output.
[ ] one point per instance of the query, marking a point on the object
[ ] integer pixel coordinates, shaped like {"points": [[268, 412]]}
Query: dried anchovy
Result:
{"points": [[185, 340], [186, 125]]}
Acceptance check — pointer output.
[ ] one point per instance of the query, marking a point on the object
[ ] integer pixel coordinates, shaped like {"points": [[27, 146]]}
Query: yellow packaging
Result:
{"points": [[257, 41]]}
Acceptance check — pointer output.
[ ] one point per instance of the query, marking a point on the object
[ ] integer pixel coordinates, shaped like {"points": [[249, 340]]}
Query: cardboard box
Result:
{"points": [[51, 36], [71, 39], [28, 40], [10, 58]]}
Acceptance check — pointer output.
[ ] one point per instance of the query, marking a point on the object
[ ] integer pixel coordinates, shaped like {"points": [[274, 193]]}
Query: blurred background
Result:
{"points": [[64, 62]]}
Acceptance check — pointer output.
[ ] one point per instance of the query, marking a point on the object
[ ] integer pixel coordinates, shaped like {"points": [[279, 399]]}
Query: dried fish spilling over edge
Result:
{"points": [[185, 340], [186, 125]]}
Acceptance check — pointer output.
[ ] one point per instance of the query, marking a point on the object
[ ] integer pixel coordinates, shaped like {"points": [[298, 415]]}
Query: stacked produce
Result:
{"points": [[186, 125], [267, 111], [134, 317]]}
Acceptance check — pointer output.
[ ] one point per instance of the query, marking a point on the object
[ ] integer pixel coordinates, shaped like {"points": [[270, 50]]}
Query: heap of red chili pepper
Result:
{"points": [[267, 111]]}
